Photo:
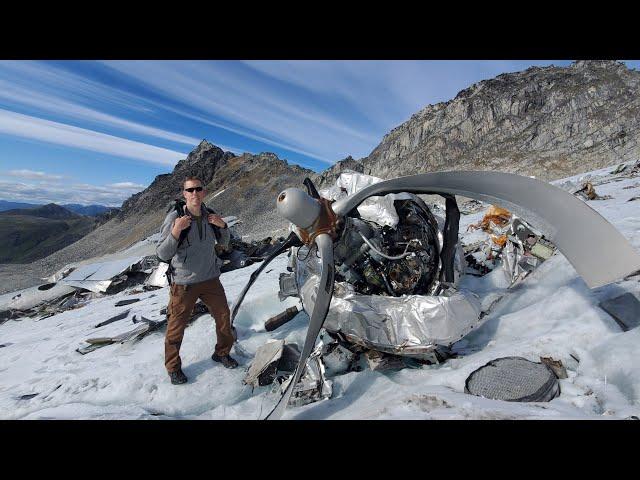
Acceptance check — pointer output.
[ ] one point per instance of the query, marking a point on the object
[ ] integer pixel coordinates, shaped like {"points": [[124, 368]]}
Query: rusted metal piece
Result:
{"points": [[325, 223]]}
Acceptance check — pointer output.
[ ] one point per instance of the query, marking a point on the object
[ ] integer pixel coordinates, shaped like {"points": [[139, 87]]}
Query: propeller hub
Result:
{"points": [[298, 207]]}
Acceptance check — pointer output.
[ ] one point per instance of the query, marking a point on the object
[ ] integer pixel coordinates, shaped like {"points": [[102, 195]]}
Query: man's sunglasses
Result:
{"points": [[193, 189]]}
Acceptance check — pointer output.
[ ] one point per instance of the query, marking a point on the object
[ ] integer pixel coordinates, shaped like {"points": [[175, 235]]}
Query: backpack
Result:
{"points": [[179, 207]]}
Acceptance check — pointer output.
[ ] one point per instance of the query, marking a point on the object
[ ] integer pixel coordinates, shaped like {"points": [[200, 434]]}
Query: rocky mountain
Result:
{"points": [[548, 122]]}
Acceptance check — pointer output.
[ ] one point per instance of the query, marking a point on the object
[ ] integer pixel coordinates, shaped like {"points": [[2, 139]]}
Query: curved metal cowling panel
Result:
{"points": [[598, 252]]}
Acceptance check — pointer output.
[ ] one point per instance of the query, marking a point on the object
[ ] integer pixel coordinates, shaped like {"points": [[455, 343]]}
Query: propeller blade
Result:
{"points": [[320, 309], [291, 241], [599, 253]]}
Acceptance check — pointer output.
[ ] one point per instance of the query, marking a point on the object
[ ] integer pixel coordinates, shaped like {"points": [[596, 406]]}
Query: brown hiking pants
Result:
{"points": [[181, 302]]}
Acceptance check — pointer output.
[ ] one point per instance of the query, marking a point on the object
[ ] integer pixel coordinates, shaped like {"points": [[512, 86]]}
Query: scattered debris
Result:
{"points": [[338, 359], [556, 365], [380, 362], [625, 310], [264, 367], [495, 217], [588, 192], [514, 379], [280, 319], [313, 385], [143, 327], [276, 360], [120, 316], [29, 396], [129, 301], [471, 206]]}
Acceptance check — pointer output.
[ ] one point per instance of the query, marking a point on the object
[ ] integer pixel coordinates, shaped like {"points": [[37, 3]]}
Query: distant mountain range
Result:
{"points": [[27, 234], [90, 210]]}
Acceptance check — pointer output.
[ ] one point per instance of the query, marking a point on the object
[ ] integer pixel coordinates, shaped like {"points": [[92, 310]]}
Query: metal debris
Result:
{"points": [[625, 310], [338, 359], [514, 379], [313, 385], [556, 365], [380, 362], [264, 367], [120, 316], [122, 303], [280, 319], [588, 192]]}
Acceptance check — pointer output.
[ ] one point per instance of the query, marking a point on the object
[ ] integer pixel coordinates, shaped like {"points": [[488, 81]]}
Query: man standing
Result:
{"points": [[196, 272]]}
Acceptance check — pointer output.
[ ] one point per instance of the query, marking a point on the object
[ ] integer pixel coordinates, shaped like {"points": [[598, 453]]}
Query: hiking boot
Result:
{"points": [[178, 377], [227, 361]]}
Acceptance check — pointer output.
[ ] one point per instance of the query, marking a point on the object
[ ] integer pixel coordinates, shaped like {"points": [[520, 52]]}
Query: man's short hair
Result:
{"points": [[193, 179]]}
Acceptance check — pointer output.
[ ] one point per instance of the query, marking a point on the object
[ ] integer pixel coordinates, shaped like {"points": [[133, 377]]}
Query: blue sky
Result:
{"points": [[97, 132]]}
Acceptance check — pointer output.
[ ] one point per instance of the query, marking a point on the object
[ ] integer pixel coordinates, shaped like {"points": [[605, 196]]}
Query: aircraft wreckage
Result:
{"points": [[375, 268]]}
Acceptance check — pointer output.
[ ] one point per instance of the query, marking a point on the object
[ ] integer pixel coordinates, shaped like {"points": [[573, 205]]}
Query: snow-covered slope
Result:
{"points": [[552, 313]]}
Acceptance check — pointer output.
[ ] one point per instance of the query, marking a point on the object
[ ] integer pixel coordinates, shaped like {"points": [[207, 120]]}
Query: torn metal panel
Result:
{"points": [[625, 310], [97, 277], [264, 366], [32, 297], [313, 384], [158, 277]]}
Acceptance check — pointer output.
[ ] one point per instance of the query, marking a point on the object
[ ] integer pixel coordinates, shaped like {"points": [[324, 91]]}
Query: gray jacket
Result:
{"points": [[195, 260]]}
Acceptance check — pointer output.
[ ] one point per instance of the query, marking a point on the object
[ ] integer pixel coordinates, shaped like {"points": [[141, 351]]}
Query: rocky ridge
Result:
{"points": [[547, 122]]}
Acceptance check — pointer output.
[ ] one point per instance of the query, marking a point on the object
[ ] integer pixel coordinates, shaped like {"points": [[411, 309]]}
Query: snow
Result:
{"points": [[553, 313]]}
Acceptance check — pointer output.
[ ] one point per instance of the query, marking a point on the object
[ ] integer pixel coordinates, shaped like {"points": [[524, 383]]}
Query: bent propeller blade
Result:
{"points": [[320, 309], [599, 253]]}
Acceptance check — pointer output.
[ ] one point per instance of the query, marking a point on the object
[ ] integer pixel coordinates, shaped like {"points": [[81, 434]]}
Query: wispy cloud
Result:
{"points": [[126, 186], [110, 195], [17, 95], [12, 123], [238, 100], [31, 174]]}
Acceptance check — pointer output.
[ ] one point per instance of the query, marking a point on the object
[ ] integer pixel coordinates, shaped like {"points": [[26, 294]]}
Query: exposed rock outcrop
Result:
{"points": [[548, 122]]}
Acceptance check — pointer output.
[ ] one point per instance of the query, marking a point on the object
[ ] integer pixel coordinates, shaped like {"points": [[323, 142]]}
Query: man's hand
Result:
{"points": [[179, 225], [216, 220]]}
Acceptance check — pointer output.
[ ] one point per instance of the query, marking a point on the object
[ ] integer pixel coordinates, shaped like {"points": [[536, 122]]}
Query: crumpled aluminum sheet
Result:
{"points": [[411, 325], [375, 209], [265, 356], [313, 385]]}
